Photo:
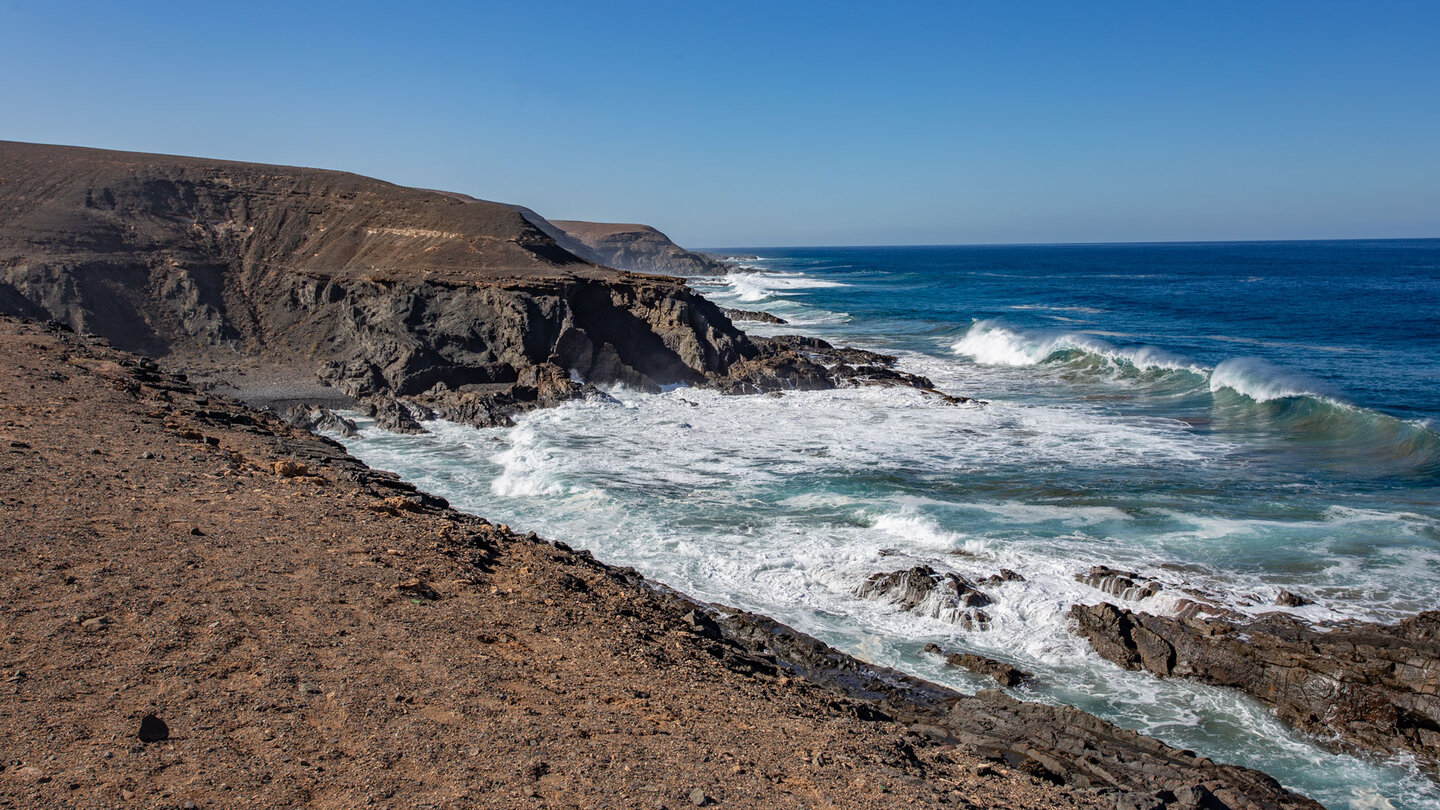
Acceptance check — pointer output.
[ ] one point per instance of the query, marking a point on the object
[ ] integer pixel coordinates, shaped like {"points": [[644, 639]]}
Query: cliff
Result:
{"points": [[378, 290], [639, 248]]}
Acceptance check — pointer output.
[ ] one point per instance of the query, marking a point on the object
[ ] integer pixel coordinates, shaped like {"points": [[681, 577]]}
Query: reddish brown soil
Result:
{"points": [[324, 638]]}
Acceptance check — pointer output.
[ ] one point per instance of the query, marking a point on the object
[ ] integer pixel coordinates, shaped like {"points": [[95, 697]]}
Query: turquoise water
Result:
{"points": [[1235, 419]]}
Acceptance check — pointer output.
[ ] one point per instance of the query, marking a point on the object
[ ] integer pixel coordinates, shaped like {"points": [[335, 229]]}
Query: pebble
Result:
{"points": [[698, 798], [153, 729], [96, 624]]}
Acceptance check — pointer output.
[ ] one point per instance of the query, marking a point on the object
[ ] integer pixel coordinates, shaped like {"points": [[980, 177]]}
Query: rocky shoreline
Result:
{"points": [[212, 551], [1358, 687]]}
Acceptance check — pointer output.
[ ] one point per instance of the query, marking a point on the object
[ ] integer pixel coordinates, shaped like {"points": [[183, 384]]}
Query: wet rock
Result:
{"points": [[395, 416], [320, 420], [1294, 600], [784, 371], [880, 375], [1057, 743], [999, 671], [924, 590], [1375, 688], [751, 315], [153, 729], [1124, 584], [1005, 575]]}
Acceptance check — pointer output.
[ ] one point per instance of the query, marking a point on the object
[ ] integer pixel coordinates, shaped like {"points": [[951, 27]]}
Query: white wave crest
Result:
{"points": [[760, 286], [990, 343], [1264, 382]]}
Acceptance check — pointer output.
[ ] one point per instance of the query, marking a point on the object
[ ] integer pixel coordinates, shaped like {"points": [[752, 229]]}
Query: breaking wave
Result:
{"points": [[1241, 390]]}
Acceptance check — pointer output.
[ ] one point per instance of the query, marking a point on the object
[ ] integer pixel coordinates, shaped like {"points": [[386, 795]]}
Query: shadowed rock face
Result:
{"points": [[1373, 687], [381, 290]]}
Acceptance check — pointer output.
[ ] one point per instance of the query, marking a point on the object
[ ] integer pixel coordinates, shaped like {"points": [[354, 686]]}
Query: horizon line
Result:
{"points": [[1106, 243]]}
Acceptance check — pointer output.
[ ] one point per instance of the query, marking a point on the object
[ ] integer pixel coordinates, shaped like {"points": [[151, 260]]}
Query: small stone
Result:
{"points": [[153, 729], [146, 456], [698, 798], [96, 624], [309, 688], [196, 532], [289, 468], [127, 794]]}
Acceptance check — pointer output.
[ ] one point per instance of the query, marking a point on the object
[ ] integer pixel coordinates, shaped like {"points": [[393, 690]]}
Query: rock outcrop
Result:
{"points": [[637, 248], [753, 315], [1370, 687], [923, 590], [1057, 744], [376, 289]]}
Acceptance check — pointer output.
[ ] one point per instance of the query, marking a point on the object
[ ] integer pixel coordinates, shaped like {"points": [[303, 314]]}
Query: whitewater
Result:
{"points": [[1235, 419]]}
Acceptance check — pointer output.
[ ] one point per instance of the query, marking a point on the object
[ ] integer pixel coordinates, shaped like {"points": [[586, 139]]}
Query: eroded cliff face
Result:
{"points": [[377, 289]]}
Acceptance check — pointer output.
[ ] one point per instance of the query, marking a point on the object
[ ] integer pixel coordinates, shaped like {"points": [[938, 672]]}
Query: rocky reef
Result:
{"points": [[1364, 687]]}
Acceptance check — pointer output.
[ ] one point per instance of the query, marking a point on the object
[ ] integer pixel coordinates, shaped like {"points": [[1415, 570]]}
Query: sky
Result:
{"points": [[731, 124]]}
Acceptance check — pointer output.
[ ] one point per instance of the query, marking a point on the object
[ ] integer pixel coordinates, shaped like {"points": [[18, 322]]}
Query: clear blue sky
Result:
{"points": [[738, 123]]}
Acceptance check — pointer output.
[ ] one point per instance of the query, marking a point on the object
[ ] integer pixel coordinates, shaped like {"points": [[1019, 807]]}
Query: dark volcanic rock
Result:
{"points": [[924, 590], [153, 729], [1124, 584], [1054, 743], [1002, 673], [1374, 687], [319, 419], [752, 315], [784, 371], [1288, 599]]}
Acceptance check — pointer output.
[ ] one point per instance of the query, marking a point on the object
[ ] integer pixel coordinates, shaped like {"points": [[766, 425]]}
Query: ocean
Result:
{"points": [[1232, 418]]}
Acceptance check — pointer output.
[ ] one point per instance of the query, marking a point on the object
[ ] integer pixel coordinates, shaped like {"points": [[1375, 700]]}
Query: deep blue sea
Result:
{"points": [[1235, 419]]}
